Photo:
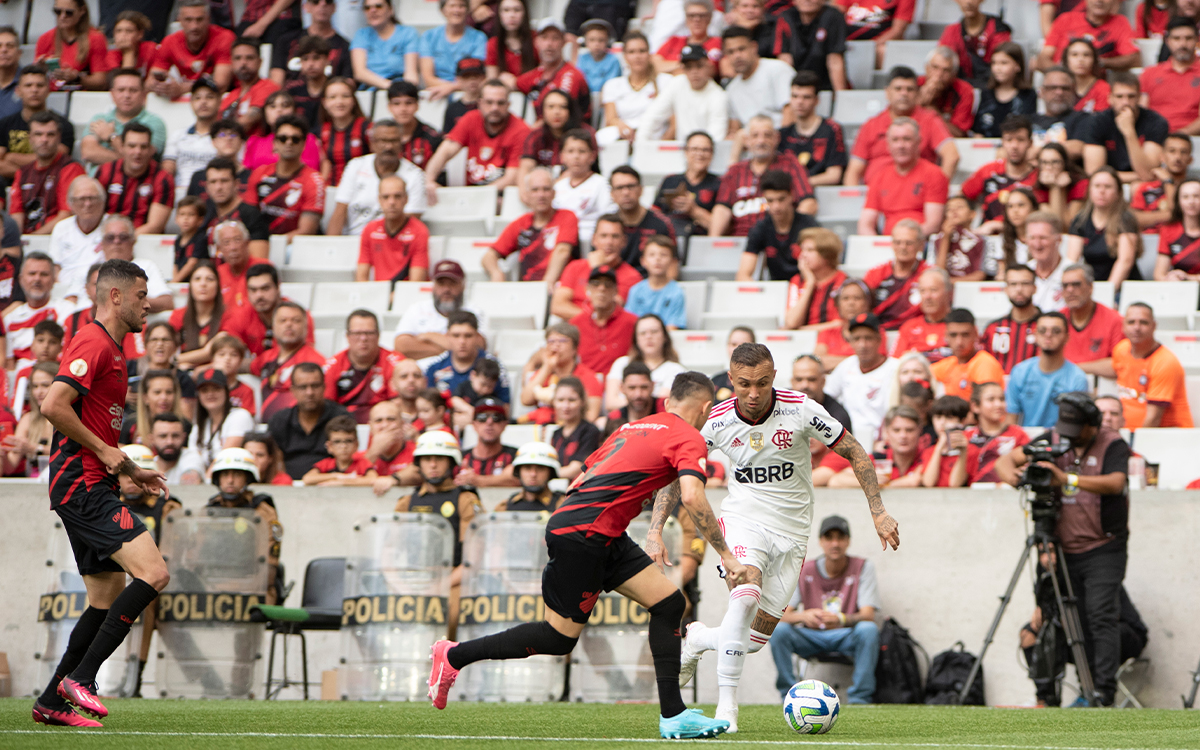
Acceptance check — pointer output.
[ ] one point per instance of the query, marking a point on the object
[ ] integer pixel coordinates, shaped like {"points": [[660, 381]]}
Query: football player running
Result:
{"points": [[767, 515]]}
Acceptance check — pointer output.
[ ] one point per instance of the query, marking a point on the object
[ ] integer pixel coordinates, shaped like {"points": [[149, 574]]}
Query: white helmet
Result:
{"points": [[438, 443], [234, 459], [142, 456], [538, 454]]}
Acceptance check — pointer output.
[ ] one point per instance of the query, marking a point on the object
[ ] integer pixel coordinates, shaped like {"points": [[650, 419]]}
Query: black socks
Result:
{"points": [[665, 645], [77, 645], [524, 640], [128, 605]]}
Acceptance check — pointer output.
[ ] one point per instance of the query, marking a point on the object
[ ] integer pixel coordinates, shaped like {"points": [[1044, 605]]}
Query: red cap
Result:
{"points": [[448, 269]]}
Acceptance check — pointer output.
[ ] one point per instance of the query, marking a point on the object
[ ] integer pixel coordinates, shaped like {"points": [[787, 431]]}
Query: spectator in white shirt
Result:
{"points": [[75, 241], [190, 150], [1043, 236], [421, 333], [627, 99], [116, 242], [580, 190], [358, 192], [37, 282], [862, 382], [694, 99], [762, 86], [219, 424]]}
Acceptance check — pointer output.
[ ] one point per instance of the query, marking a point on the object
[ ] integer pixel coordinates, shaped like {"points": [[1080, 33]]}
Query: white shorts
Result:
{"points": [[779, 557]]}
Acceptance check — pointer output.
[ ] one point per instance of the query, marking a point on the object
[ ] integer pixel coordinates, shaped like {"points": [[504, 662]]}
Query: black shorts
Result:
{"points": [[616, 12], [98, 523], [579, 571]]}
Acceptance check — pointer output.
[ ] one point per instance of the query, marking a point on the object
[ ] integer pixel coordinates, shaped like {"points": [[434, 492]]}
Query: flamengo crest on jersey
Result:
{"points": [[770, 471]]}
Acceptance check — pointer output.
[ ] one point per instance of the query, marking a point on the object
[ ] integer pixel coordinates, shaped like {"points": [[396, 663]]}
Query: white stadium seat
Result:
{"points": [[840, 202], [84, 106], [405, 293], [300, 292], [785, 346], [1104, 293], [1185, 345], [702, 350], [909, 52], [318, 258], [868, 251], [158, 249], [1149, 49], [514, 347], [1173, 449], [860, 68], [511, 206], [323, 341], [469, 252], [974, 153], [35, 243], [853, 108], [510, 304], [333, 301], [462, 211], [437, 249], [985, 299], [1174, 302], [696, 296], [716, 257], [759, 304], [176, 115], [666, 157]]}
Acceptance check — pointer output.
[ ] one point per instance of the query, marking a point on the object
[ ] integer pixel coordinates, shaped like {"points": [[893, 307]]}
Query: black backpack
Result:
{"points": [[897, 673], [948, 674]]}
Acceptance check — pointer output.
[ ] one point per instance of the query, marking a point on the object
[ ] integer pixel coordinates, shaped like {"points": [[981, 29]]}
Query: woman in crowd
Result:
{"points": [[267, 457], [260, 147], [738, 335], [1091, 90], [991, 434], [78, 48], [833, 343], [158, 393], [627, 98], [1105, 232], [442, 47], [130, 47], [1150, 18], [576, 438], [581, 189], [543, 145], [812, 293], [32, 436], [1179, 240], [548, 366], [1008, 91], [219, 424], [203, 316], [383, 50], [1006, 235], [1061, 186], [913, 367], [652, 347], [343, 128], [162, 343], [510, 52]]}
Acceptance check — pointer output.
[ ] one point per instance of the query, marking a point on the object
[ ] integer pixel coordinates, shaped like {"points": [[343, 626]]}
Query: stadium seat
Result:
{"points": [[860, 69], [1104, 293], [456, 170], [1174, 302], [785, 346], [853, 108], [462, 211], [868, 251], [974, 153], [364, 434], [1149, 49], [84, 106], [696, 294], [179, 294], [176, 115], [158, 249], [323, 341], [712, 257], [666, 157], [1185, 345], [701, 350], [333, 301], [1149, 257], [1173, 449], [839, 206], [510, 304], [514, 347], [255, 385], [432, 113], [985, 299], [613, 155], [277, 252], [908, 52], [35, 243], [759, 304], [469, 251], [300, 292], [319, 258], [511, 205], [405, 293]]}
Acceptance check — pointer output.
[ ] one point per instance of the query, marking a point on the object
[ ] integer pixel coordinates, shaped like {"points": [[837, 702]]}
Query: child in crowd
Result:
{"points": [[599, 66], [918, 396], [306, 90], [46, 347], [579, 189], [959, 250], [346, 466], [431, 411], [190, 244], [1008, 91], [658, 294], [952, 461], [481, 383], [991, 433], [229, 352], [470, 77]]}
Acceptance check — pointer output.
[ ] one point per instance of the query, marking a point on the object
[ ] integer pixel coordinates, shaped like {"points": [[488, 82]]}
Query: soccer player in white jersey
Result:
{"points": [[767, 515]]}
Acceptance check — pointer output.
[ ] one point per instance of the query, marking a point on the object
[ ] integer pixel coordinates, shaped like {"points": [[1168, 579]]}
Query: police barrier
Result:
{"points": [[503, 556], [612, 661], [59, 607], [217, 558], [396, 593]]}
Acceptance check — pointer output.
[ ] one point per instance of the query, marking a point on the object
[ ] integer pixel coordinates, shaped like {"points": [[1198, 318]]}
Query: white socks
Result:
{"points": [[733, 640]]}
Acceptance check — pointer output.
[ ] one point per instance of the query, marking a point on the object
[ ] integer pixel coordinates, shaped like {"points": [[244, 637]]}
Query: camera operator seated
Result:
{"points": [[1046, 650], [1089, 479], [832, 611]]}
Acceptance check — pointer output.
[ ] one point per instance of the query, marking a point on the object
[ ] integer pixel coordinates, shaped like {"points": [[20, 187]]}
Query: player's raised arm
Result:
{"points": [[864, 471]]}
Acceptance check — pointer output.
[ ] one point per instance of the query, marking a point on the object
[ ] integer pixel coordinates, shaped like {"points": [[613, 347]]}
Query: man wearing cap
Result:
{"points": [[469, 76], [693, 101], [554, 72], [535, 465], [608, 242], [833, 610], [360, 376], [637, 386], [1036, 382], [968, 365], [1093, 525], [464, 350], [605, 328], [863, 382], [494, 139], [421, 332], [489, 463]]}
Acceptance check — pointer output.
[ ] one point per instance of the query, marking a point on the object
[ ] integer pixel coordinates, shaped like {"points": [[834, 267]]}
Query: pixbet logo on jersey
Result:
{"points": [[764, 474]]}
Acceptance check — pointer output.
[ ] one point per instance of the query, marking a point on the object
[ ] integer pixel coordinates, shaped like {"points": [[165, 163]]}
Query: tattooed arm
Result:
{"points": [[664, 503], [693, 499], [864, 471]]}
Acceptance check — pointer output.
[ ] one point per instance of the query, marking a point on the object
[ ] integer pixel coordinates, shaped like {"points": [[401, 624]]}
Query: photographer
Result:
{"points": [[1088, 484]]}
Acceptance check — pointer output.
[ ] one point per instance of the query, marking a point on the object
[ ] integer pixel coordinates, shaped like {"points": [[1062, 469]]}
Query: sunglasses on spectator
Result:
{"points": [[122, 237], [490, 417], [67, 12], [293, 139]]}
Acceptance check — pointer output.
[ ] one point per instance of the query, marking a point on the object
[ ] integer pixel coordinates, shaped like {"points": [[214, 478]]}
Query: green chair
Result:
{"points": [[320, 609]]}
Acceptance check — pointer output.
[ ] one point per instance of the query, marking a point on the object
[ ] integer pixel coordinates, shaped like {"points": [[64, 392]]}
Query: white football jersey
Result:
{"points": [[770, 473]]}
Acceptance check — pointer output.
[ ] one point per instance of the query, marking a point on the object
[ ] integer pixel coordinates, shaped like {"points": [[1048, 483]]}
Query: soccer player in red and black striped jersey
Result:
{"points": [[590, 552], [289, 193], [85, 404], [739, 200], [137, 186], [1010, 339]]}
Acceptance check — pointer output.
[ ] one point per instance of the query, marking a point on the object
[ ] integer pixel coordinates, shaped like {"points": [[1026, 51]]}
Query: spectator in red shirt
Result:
{"points": [[1172, 88], [360, 376], [992, 434], [80, 49], [204, 315], [697, 15], [899, 463], [1100, 22], [992, 182], [396, 246], [870, 151], [245, 101], [1095, 329], [608, 242], [543, 145], [942, 91], [346, 465], [1179, 241], [813, 291], [554, 72], [1153, 202], [511, 51], [952, 460], [40, 188], [740, 204], [493, 138], [130, 48], [559, 359], [973, 39], [261, 297], [275, 366], [544, 238], [605, 328], [197, 49], [233, 251], [907, 188], [289, 193], [893, 283], [137, 186], [927, 334]]}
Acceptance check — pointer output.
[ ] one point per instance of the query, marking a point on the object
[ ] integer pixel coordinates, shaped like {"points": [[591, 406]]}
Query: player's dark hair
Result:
{"points": [[361, 313], [1056, 315], [738, 32], [403, 89], [635, 368], [690, 384], [46, 117], [112, 273], [311, 43], [1013, 123], [750, 355], [462, 318], [343, 423], [1020, 267], [294, 121], [488, 368], [977, 390], [310, 367], [805, 79], [50, 327], [135, 127], [960, 315], [626, 169], [166, 416], [433, 397], [263, 269], [902, 72], [576, 385], [950, 406], [775, 179], [228, 125], [222, 164]]}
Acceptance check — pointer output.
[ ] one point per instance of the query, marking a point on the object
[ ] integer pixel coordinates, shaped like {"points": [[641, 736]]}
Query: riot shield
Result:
{"points": [[217, 558], [59, 607], [503, 556], [612, 661], [396, 592]]}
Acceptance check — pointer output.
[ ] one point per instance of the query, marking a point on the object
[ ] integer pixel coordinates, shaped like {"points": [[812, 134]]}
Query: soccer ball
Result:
{"points": [[811, 707]]}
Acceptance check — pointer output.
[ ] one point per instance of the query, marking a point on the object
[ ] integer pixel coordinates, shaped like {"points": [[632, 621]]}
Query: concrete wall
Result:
{"points": [[958, 550]]}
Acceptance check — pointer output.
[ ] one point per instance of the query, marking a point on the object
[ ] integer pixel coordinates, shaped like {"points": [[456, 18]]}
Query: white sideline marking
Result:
{"points": [[503, 738]]}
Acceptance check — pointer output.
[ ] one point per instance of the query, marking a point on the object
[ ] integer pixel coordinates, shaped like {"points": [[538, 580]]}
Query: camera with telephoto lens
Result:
{"points": [[1039, 480]]}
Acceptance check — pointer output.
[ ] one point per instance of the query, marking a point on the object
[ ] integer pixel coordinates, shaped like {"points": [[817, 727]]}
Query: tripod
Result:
{"points": [[1042, 537], [1190, 700]]}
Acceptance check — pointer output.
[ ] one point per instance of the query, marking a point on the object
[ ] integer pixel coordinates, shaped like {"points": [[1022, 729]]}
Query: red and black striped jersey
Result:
{"points": [[1011, 341], [992, 447], [1182, 249], [283, 200], [133, 196], [620, 478], [895, 298], [340, 146], [419, 149]]}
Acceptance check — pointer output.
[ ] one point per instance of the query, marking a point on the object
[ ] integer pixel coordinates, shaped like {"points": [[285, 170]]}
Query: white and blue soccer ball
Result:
{"points": [[811, 707]]}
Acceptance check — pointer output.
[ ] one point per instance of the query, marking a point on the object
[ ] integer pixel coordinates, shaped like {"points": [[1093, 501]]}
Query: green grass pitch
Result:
{"points": [[292, 725]]}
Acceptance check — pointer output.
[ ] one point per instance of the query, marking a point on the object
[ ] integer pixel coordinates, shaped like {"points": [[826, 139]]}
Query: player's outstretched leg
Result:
{"points": [[523, 641], [731, 651]]}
